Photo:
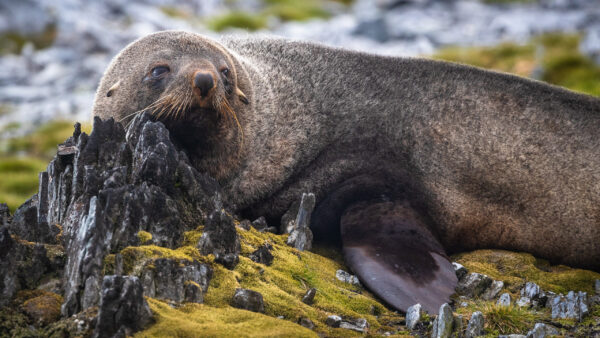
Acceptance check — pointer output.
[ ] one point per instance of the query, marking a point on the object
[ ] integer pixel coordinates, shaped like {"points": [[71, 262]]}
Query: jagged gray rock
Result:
{"points": [[504, 300], [221, 239], [493, 290], [23, 265], [261, 225], [263, 254], [523, 301], [573, 305], [307, 323], [103, 189], [473, 284], [299, 226], [333, 321], [177, 280], [309, 296], [413, 316], [346, 277], [4, 215], [541, 330], [248, 300], [123, 309], [475, 326], [459, 269], [443, 323], [597, 286], [358, 325], [534, 293]]}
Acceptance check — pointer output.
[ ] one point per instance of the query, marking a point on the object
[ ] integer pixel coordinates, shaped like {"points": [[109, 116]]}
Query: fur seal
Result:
{"points": [[410, 159]]}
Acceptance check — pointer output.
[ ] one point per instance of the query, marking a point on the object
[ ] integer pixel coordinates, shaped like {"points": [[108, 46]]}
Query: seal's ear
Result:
{"points": [[241, 96]]}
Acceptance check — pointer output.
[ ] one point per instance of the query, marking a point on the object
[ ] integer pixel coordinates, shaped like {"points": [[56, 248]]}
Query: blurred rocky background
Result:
{"points": [[53, 53]]}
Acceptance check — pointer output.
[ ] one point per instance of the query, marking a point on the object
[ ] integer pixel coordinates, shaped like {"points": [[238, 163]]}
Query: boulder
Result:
{"points": [[473, 284], [123, 309], [345, 277], [443, 323], [309, 296], [413, 316], [299, 226], [263, 254], [542, 330], [248, 300], [475, 326], [572, 306]]}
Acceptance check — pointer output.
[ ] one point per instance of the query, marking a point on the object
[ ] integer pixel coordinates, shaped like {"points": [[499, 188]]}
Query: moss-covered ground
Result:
{"points": [[22, 158], [282, 10], [554, 58]]}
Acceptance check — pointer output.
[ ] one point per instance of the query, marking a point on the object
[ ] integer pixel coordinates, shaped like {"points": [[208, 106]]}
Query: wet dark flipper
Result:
{"points": [[394, 254]]}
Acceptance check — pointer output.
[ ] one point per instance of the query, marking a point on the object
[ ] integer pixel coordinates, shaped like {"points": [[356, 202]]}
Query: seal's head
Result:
{"points": [[188, 82]]}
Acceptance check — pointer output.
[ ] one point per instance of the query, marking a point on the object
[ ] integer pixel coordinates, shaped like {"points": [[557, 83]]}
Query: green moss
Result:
{"points": [[191, 238], [517, 268], [23, 158], [508, 319], [289, 277], [13, 42], [290, 10], [200, 319], [554, 58], [241, 20], [144, 236], [44, 308], [135, 257]]}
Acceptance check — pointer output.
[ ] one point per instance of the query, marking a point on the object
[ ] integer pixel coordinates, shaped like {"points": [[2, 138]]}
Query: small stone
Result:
{"points": [[473, 285], [245, 224], [572, 306], [123, 309], [460, 270], [535, 294], [358, 325], [597, 286], [263, 254], [442, 325], [248, 300], [300, 234], [221, 239], [504, 300], [464, 304], [475, 326], [309, 296], [493, 290], [333, 321], [413, 316], [260, 223], [523, 301], [541, 330], [307, 323], [345, 277]]}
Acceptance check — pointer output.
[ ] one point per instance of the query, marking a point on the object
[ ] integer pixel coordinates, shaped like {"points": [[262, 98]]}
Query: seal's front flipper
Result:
{"points": [[388, 246]]}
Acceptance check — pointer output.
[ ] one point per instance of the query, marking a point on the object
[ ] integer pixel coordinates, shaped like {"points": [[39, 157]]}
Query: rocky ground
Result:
{"points": [[124, 236], [53, 53]]}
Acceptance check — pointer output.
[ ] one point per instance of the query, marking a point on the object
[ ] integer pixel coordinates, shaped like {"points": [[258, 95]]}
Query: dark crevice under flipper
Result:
{"points": [[394, 254]]}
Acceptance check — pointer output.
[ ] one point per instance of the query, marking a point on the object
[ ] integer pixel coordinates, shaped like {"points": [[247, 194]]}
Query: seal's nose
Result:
{"points": [[204, 82]]}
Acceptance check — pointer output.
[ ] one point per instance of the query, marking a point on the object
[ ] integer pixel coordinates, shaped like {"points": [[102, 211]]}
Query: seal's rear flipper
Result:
{"points": [[388, 246]]}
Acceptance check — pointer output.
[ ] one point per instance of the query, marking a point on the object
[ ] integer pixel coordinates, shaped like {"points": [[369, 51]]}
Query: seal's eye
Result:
{"points": [[159, 70], [225, 71]]}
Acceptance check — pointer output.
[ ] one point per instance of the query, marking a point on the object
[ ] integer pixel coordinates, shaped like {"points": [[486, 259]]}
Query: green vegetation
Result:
{"points": [[554, 58], [282, 285], [13, 42], [23, 158], [508, 319], [284, 10]]}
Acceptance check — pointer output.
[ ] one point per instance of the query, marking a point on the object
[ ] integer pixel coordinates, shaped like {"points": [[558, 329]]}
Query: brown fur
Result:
{"points": [[489, 159]]}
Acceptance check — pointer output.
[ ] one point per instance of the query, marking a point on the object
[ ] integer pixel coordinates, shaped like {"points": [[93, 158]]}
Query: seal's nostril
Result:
{"points": [[204, 82]]}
